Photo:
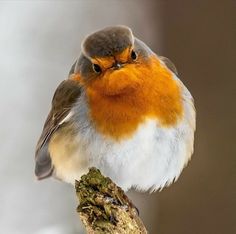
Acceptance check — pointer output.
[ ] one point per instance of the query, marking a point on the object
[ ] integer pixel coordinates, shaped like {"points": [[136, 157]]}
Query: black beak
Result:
{"points": [[117, 66]]}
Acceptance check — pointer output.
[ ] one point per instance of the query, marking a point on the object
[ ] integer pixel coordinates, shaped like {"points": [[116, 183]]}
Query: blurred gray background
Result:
{"points": [[39, 40]]}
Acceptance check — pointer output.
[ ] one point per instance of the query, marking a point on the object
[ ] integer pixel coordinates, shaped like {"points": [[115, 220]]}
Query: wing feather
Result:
{"points": [[63, 100]]}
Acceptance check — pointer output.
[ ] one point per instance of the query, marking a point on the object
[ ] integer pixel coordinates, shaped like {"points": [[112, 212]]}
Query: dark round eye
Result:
{"points": [[133, 55], [96, 68]]}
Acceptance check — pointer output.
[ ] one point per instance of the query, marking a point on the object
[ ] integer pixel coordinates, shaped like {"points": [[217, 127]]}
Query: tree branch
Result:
{"points": [[104, 207]]}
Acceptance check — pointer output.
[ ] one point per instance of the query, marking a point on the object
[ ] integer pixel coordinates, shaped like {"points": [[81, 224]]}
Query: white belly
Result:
{"points": [[151, 159]]}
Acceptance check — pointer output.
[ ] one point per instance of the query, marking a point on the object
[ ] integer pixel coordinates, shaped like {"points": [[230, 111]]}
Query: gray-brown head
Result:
{"points": [[109, 48]]}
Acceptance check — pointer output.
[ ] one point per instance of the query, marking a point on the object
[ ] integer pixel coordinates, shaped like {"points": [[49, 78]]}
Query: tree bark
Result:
{"points": [[104, 207]]}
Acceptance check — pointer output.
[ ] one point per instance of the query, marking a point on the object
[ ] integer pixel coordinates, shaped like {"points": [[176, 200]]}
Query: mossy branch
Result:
{"points": [[104, 207]]}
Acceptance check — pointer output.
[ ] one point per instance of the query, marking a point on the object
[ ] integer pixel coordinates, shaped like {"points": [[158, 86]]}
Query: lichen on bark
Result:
{"points": [[104, 207]]}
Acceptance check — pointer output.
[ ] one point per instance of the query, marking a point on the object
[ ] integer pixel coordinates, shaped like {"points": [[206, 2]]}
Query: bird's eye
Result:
{"points": [[96, 68], [133, 55]]}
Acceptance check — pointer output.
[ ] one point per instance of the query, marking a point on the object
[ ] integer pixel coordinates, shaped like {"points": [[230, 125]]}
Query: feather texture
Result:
{"points": [[63, 100]]}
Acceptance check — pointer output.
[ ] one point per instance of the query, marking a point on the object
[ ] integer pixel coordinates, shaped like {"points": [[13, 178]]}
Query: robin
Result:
{"points": [[123, 110]]}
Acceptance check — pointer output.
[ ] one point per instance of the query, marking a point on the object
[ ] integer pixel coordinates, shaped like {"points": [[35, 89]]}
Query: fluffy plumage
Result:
{"points": [[134, 122]]}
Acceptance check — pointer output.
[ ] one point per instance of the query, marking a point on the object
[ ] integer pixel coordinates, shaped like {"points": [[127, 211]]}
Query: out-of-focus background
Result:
{"points": [[39, 40]]}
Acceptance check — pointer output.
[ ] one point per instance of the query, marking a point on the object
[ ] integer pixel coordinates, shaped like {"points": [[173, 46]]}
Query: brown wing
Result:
{"points": [[169, 64], [64, 98]]}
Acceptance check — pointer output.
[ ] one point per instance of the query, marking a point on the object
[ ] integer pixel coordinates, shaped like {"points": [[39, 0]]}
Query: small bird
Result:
{"points": [[123, 110]]}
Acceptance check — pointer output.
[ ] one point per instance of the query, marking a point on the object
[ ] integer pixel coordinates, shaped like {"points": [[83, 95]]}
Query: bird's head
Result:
{"points": [[112, 61]]}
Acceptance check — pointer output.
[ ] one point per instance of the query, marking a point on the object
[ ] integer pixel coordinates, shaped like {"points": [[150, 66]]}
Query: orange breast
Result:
{"points": [[121, 100]]}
